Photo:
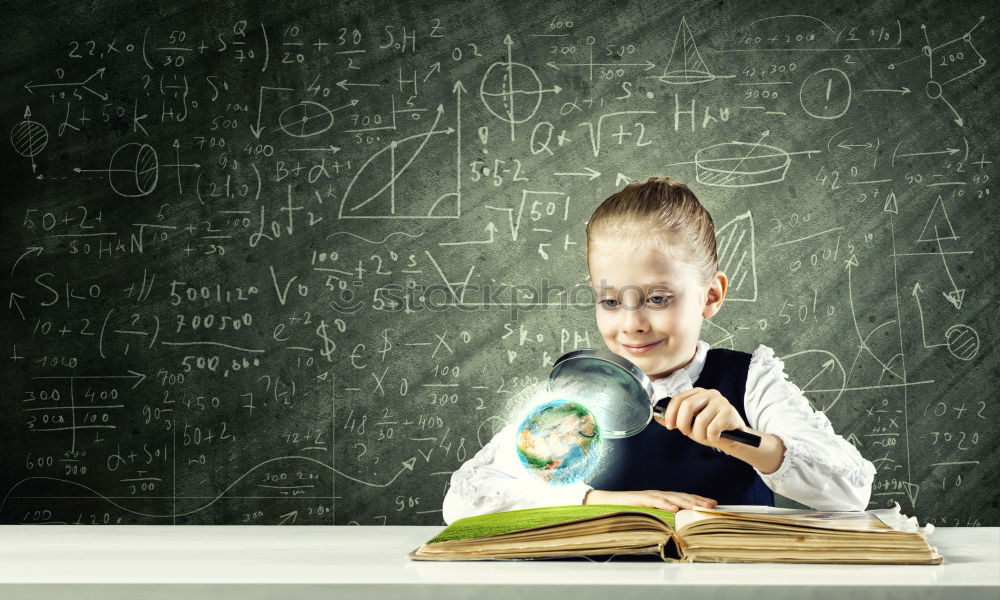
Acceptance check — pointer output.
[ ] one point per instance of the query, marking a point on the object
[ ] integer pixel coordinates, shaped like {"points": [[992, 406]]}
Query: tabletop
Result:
{"points": [[218, 562]]}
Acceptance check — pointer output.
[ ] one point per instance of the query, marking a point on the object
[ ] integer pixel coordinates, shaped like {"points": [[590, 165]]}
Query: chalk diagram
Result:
{"points": [[742, 164], [685, 65], [29, 137], [879, 344], [383, 169], [829, 378], [99, 73], [507, 81], [826, 94], [885, 346], [951, 61], [961, 340], [718, 336], [737, 258], [134, 170], [305, 119], [938, 220], [406, 465]]}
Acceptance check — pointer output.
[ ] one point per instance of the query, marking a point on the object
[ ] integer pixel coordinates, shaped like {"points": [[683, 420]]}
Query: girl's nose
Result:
{"points": [[634, 319]]}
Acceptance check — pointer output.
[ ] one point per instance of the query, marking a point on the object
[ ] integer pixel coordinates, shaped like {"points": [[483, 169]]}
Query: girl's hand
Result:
{"points": [[702, 415], [671, 501]]}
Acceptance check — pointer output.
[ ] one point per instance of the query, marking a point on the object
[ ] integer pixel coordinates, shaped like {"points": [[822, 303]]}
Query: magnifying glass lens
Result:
{"points": [[617, 392], [618, 399]]}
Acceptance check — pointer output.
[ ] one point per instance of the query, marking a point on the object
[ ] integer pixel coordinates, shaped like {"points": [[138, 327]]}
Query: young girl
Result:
{"points": [[653, 265]]}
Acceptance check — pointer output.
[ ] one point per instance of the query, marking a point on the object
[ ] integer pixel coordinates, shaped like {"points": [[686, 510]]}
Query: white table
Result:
{"points": [[249, 562]]}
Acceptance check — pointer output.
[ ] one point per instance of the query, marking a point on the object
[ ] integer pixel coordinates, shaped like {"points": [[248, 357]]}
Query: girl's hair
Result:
{"points": [[663, 213]]}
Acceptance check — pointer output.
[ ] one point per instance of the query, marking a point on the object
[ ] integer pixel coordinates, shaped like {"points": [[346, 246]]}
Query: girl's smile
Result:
{"points": [[650, 306], [640, 349]]}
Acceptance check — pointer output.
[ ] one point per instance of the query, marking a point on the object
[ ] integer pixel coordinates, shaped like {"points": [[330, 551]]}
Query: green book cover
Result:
{"points": [[518, 520]]}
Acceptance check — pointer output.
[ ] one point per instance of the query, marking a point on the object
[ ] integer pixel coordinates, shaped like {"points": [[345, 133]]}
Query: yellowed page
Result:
{"points": [[878, 520]]}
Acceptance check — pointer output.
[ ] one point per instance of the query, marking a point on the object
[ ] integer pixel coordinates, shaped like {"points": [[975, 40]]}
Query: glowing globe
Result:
{"points": [[559, 442]]}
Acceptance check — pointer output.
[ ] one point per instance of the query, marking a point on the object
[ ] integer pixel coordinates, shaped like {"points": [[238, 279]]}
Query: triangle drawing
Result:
{"points": [[937, 224], [891, 205], [693, 68], [955, 297]]}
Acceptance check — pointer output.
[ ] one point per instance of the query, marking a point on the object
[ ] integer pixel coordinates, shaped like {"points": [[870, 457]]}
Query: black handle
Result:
{"points": [[736, 435], [743, 437], [660, 407]]}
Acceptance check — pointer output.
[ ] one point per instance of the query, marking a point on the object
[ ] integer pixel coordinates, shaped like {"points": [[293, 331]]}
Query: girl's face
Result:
{"points": [[649, 306]]}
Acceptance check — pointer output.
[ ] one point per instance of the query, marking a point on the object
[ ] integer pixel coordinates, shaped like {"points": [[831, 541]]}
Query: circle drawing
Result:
{"points": [[503, 83], [826, 94], [963, 341], [740, 164], [305, 119], [28, 138], [133, 170], [933, 89]]}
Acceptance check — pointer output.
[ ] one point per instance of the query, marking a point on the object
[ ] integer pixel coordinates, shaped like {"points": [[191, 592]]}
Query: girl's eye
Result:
{"points": [[609, 304], [659, 300]]}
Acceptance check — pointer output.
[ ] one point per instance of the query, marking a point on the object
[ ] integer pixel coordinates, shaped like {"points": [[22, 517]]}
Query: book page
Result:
{"points": [[873, 520]]}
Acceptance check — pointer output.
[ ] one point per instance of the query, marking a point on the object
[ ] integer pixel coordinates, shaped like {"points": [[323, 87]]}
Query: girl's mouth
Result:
{"points": [[641, 349]]}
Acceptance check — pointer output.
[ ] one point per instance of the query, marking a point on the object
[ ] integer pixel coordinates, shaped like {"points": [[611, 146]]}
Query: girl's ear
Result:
{"points": [[716, 294]]}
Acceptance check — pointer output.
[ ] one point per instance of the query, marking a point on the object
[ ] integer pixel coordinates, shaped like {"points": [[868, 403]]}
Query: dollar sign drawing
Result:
{"points": [[328, 344], [386, 344]]}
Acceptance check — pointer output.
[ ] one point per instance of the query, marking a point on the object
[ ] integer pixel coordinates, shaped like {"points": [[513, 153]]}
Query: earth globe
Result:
{"points": [[559, 442]]}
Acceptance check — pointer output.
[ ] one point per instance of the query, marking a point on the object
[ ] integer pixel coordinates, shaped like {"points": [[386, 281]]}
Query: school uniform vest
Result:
{"points": [[658, 458]]}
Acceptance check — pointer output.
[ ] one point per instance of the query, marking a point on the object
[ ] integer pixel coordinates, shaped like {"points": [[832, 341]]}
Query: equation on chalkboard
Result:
{"points": [[295, 265]]}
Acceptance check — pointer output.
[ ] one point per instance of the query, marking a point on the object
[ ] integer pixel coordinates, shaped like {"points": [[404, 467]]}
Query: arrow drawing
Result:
{"points": [[98, 73]]}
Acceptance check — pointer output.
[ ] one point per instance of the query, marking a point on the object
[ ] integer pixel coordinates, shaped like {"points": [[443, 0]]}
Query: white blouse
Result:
{"points": [[820, 468]]}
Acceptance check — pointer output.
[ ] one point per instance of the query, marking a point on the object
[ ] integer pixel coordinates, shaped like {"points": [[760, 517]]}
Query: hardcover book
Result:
{"points": [[720, 534]]}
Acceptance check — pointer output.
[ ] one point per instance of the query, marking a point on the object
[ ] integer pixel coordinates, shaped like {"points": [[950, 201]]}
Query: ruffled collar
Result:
{"points": [[683, 378]]}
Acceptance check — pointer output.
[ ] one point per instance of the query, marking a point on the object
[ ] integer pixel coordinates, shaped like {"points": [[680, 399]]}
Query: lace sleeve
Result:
{"points": [[820, 468], [493, 481]]}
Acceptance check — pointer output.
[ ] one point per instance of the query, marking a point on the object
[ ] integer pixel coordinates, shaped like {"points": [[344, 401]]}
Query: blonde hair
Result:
{"points": [[664, 214]]}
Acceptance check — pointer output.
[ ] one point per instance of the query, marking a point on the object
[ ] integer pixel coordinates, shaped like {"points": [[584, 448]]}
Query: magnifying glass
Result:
{"points": [[617, 392]]}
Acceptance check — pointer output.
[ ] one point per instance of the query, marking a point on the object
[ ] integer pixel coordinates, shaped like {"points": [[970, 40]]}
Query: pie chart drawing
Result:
{"points": [[28, 138], [963, 341], [133, 170], [741, 164]]}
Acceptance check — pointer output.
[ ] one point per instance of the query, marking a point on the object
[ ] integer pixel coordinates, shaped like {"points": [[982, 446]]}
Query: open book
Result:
{"points": [[721, 534]]}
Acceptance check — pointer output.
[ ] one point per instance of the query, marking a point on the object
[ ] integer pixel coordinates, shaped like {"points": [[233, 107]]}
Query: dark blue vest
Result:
{"points": [[660, 459]]}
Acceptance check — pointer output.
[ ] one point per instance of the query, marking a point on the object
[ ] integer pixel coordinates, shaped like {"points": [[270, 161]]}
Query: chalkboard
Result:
{"points": [[295, 264]]}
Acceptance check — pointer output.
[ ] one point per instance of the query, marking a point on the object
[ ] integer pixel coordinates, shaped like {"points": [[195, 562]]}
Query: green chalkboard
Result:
{"points": [[296, 262]]}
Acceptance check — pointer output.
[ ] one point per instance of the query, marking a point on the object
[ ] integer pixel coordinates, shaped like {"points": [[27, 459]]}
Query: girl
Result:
{"points": [[653, 266]]}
